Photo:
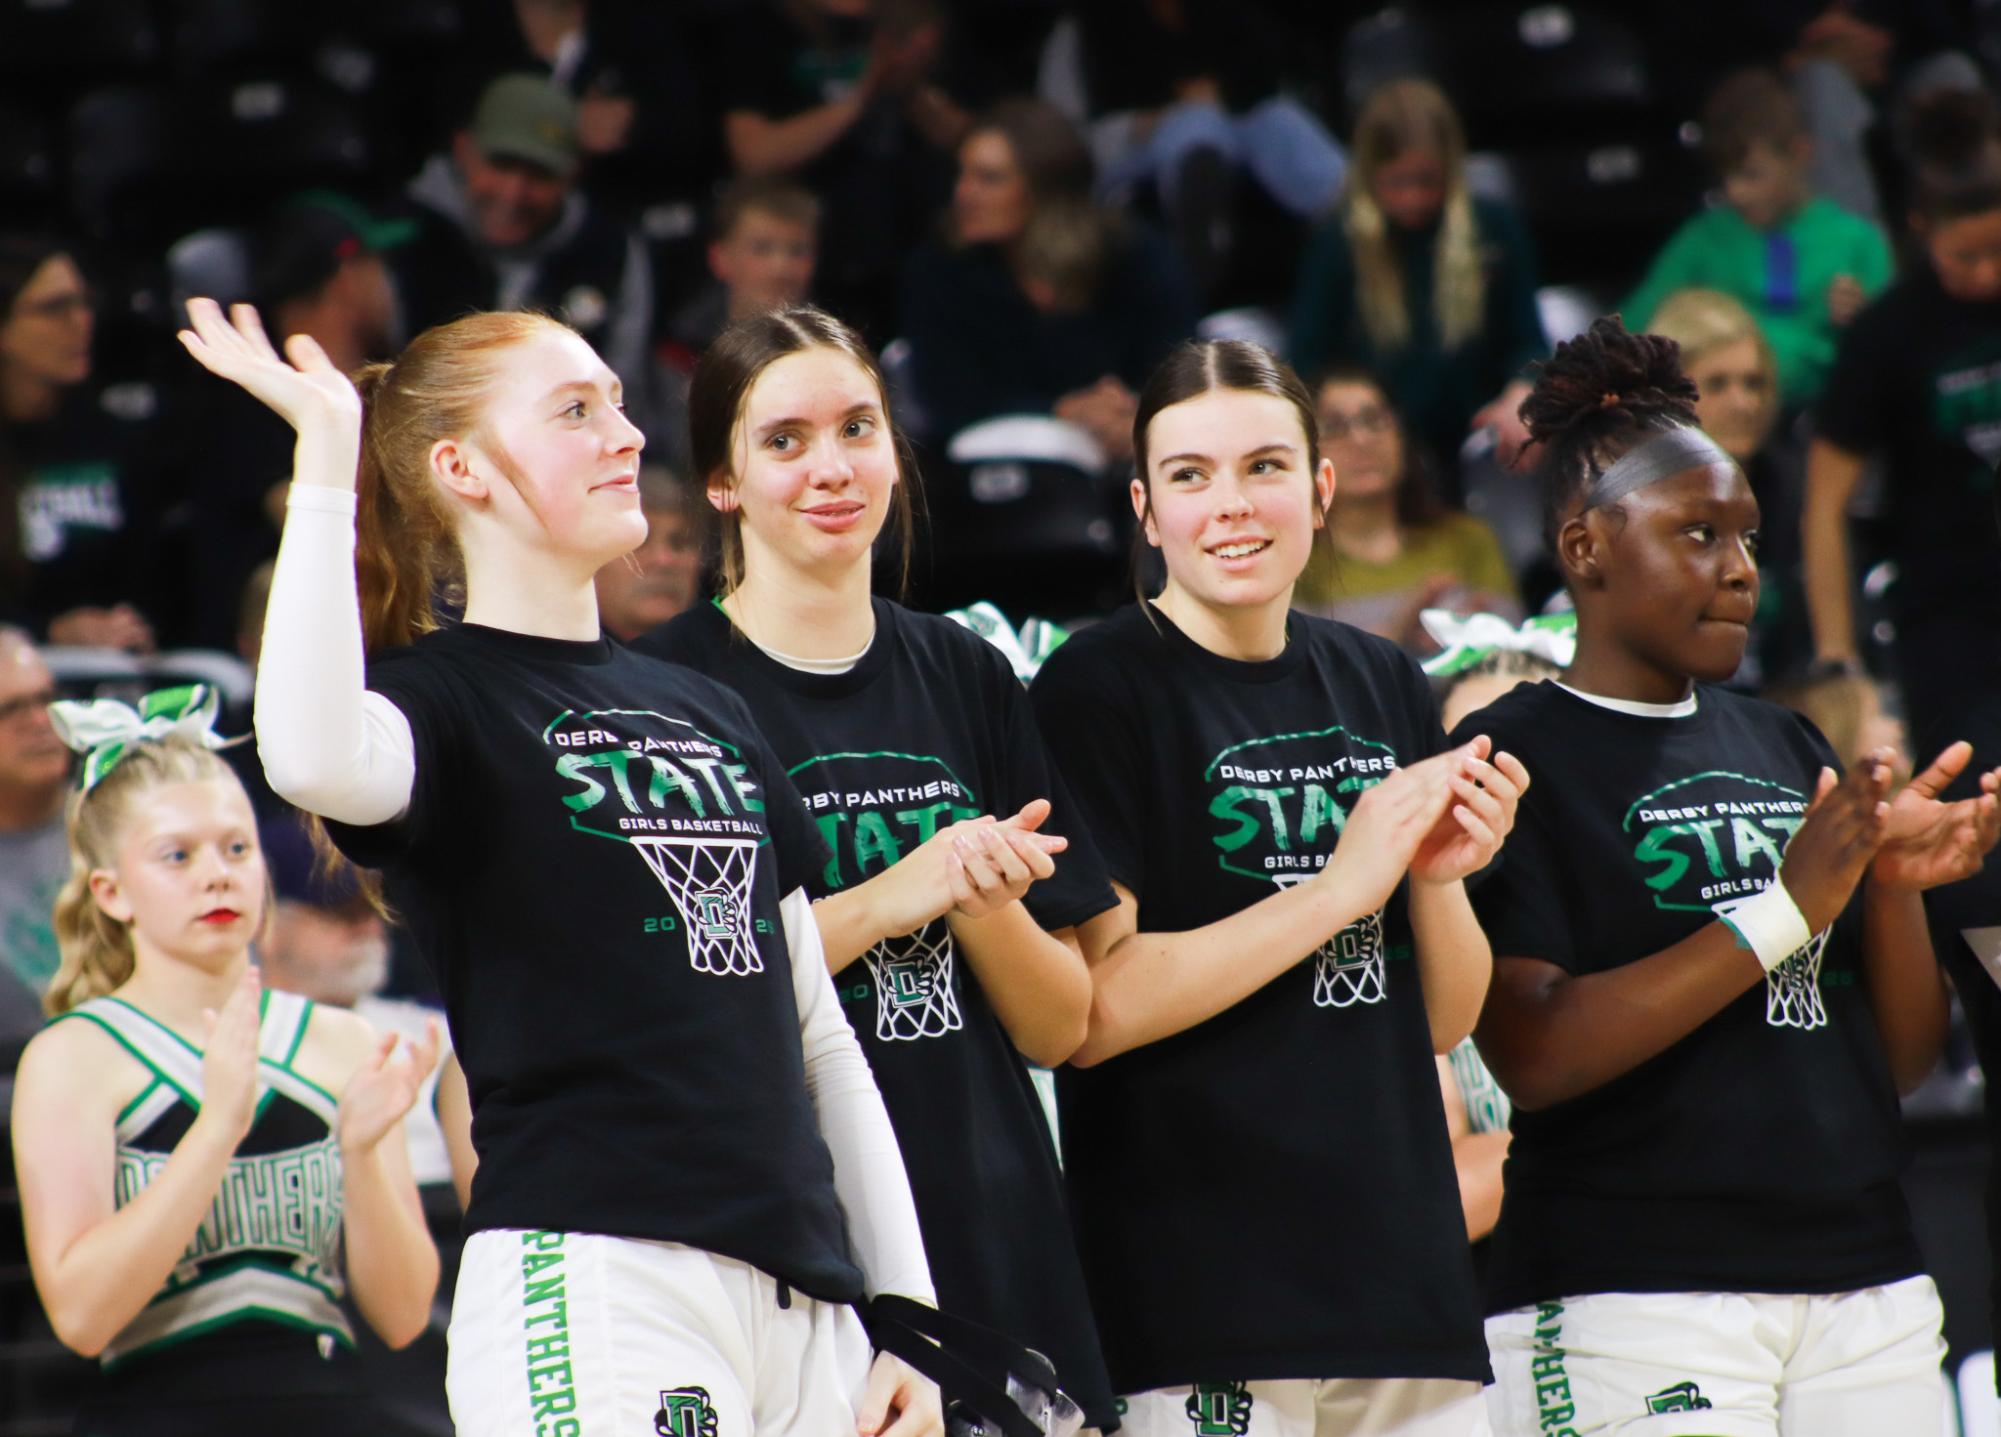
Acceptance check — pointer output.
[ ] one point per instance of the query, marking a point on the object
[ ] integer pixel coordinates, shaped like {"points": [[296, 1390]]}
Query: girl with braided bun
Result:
{"points": [[194, 1153], [1712, 977]]}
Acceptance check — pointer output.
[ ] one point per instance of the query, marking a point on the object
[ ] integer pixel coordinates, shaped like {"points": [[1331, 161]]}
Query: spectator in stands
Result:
{"points": [[1038, 301], [663, 575], [1730, 358], [630, 71], [318, 268], [1917, 383], [76, 496], [764, 250], [1849, 711], [1397, 549], [328, 942], [504, 225], [1801, 264], [846, 97], [34, 854], [1186, 98], [766, 246], [1427, 285]]}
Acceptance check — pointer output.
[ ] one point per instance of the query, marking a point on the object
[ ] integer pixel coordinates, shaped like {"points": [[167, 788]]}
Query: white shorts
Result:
{"points": [[1722, 1364], [565, 1334], [1339, 1407]]}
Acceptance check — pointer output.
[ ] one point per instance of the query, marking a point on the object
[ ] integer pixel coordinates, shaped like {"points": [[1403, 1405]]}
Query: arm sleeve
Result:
{"points": [[327, 743], [868, 1166]]}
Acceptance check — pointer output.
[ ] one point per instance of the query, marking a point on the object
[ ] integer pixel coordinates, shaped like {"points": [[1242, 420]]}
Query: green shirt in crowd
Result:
{"points": [[1781, 275]]}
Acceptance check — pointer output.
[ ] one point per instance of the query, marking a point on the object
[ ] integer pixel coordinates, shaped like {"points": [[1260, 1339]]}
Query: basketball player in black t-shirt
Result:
{"points": [[1711, 978], [1254, 1136], [949, 933], [604, 866]]}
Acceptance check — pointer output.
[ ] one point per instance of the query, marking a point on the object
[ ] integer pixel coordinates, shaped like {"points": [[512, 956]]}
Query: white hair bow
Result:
{"points": [[1466, 642], [104, 730]]}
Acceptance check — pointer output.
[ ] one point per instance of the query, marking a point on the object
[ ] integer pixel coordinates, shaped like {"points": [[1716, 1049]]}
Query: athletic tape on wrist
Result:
{"points": [[1770, 924], [321, 499], [1669, 452]]}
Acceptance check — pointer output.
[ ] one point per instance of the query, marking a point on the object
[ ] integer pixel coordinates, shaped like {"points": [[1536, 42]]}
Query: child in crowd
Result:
{"points": [[1801, 264], [199, 1159], [766, 245]]}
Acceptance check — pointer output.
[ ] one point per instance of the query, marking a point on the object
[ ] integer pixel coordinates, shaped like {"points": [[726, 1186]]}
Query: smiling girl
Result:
{"points": [[602, 863], [1256, 1146], [194, 1154], [906, 734], [1712, 977]]}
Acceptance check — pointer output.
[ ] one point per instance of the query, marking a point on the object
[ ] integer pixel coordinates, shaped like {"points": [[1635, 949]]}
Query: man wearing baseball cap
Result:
{"points": [[505, 225]]}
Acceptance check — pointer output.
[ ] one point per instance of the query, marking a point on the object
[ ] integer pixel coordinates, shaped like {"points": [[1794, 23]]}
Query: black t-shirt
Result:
{"points": [[592, 863], [1269, 1194], [1761, 1152], [931, 727], [87, 505], [1918, 379]]}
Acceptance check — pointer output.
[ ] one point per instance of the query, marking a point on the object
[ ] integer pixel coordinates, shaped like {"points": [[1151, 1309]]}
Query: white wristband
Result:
{"points": [[321, 499], [1768, 923]]}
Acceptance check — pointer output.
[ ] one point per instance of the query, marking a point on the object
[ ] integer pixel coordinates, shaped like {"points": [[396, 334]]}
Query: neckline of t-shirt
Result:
{"points": [[1250, 671], [1687, 708], [539, 646], [805, 681]]}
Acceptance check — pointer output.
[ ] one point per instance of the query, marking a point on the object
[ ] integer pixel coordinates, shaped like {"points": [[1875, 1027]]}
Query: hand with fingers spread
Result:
{"points": [[302, 385], [1927, 842], [992, 864], [383, 1089], [1840, 836], [899, 1401], [1471, 832], [1388, 825], [229, 1059]]}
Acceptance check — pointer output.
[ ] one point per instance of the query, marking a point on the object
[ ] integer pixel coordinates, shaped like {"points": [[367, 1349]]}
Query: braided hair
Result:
{"points": [[1598, 396]]}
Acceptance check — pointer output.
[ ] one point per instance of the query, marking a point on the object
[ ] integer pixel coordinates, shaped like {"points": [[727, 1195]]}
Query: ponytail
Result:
{"points": [[406, 558]]}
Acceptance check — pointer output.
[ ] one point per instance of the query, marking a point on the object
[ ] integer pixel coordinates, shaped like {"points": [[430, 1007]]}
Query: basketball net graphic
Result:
{"points": [[709, 880], [1792, 990], [1347, 968], [914, 993]]}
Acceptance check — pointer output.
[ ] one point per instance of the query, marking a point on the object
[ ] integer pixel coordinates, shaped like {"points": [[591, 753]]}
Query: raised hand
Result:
{"points": [[1927, 843], [1469, 834], [382, 1091], [229, 1058], [301, 386], [1842, 831]]}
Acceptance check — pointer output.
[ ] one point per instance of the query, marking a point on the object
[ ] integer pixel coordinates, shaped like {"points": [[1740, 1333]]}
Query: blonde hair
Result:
{"points": [[1401, 117], [1702, 321], [96, 949], [405, 555]]}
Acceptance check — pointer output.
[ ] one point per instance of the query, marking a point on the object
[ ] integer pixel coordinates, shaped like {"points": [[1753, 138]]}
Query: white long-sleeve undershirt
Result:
{"points": [[334, 747], [869, 1177], [328, 743]]}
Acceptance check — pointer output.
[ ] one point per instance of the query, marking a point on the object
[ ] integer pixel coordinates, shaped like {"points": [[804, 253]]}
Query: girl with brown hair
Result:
{"points": [[1256, 1142], [603, 864], [948, 912]]}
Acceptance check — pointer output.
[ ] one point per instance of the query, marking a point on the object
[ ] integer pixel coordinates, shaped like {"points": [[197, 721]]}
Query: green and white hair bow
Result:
{"points": [[104, 730], [1025, 648], [1466, 643]]}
